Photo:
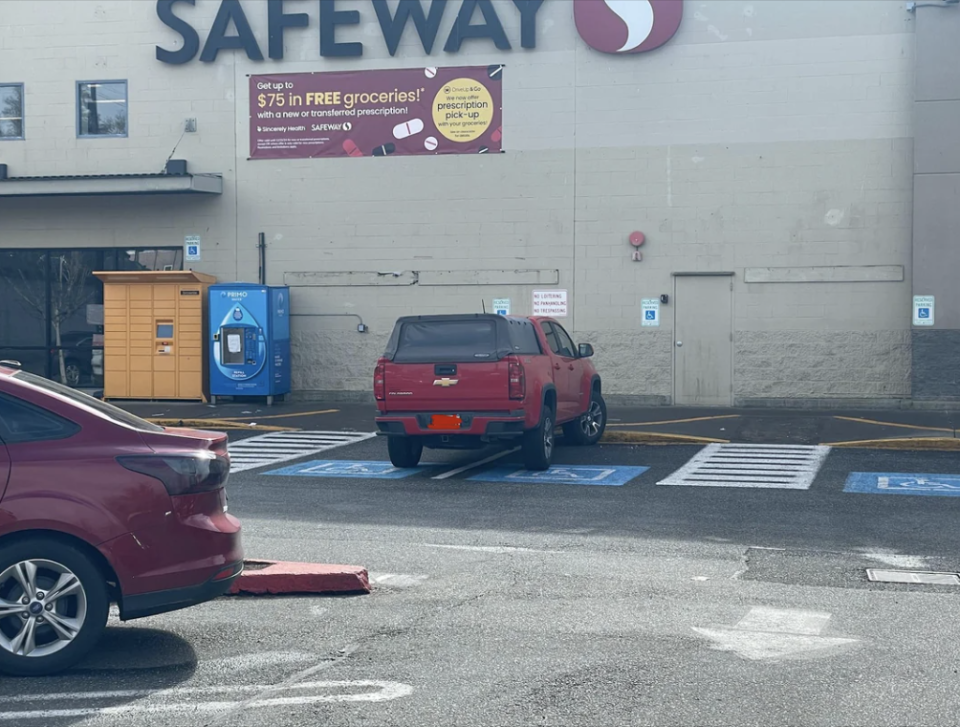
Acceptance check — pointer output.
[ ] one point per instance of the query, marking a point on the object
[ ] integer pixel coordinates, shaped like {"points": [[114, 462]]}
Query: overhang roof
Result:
{"points": [[88, 185]]}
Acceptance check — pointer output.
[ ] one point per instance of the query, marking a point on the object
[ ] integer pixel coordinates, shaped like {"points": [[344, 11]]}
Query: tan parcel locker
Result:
{"points": [[155, 335]]}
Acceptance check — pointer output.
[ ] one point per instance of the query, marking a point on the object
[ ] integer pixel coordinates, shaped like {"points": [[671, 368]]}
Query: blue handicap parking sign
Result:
{"points": [[563, 474], [923, 312], [348, 469], [651, 315], [890, 483]]}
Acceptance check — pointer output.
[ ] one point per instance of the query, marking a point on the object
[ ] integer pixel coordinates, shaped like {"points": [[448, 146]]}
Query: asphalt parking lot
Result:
{"points": [[587, 595]]}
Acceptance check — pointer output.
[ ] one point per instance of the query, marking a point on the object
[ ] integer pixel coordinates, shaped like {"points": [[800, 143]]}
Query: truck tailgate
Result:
{"points": [[461, 387]]}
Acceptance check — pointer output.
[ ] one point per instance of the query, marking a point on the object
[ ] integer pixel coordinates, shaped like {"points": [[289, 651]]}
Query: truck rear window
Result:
{"points": [[447, 341]]}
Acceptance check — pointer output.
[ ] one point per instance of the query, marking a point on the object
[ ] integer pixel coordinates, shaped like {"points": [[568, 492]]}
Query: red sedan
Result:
{"points": [[99, 506]]}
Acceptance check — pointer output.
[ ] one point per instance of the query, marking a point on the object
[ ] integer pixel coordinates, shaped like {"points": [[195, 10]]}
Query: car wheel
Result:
{"points": [[589, 428], [538, 443], [405, 452], [53, 607], [73, 374]]}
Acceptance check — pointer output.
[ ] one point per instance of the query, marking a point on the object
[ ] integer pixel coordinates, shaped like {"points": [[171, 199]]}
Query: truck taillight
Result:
{"points": [[518, 380], [380, 380]]}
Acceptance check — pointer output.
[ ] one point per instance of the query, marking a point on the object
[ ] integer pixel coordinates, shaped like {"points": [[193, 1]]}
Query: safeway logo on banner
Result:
{"points": [[627, 26]]}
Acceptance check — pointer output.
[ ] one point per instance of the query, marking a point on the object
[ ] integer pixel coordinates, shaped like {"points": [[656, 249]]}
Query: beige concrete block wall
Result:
{"points": [[766, 134]]}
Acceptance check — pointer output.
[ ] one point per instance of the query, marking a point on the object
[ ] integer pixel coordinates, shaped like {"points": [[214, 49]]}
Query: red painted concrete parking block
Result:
{"points": [[273, 577]]}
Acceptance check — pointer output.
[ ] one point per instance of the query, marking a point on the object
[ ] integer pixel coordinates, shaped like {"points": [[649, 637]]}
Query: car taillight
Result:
{"points": [[380, 380], [182, 475], [517, 377]]}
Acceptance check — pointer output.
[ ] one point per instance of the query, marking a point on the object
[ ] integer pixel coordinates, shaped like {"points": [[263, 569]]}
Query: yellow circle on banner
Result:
{"points": [[463, 110]]}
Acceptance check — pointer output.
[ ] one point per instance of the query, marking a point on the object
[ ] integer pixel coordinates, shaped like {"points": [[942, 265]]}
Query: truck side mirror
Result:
{"points": [[586, 350]]}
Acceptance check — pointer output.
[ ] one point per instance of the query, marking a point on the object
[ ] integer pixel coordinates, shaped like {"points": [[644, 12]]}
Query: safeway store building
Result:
{"points": [[736, 202]]}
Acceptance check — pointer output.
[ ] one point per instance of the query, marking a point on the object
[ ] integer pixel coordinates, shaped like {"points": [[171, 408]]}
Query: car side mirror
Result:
{"points": [[586, 350]]}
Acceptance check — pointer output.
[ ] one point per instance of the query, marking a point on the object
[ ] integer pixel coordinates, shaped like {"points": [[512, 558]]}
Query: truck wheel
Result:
{"points": [[53, 606], [588, 429], [405, 452], [537, 444]]}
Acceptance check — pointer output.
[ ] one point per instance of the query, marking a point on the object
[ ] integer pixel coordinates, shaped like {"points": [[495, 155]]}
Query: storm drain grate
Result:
{"points": [[921, 577]]}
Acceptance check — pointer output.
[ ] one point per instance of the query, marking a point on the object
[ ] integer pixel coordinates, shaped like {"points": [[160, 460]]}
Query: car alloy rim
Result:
{"points": [[43, 607], [548, 437], [591, 422], [73, 374]]}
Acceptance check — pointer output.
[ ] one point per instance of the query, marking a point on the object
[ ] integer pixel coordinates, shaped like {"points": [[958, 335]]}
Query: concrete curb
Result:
{"points": [[656, 438], [262, 577], [913, 444]]}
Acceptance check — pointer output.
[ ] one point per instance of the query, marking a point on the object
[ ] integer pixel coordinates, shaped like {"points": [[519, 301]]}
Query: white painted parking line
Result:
{"points": [[270, 449], [171, 700], [489, 548], [391, 580], [458, 470], [751, 465]]}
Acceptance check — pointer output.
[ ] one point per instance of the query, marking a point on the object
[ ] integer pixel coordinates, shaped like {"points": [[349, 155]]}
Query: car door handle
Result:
{"points": [[571, 367], [556, 366]]}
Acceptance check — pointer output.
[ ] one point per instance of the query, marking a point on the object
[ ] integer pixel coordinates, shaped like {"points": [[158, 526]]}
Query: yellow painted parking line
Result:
{"points": [[677, 421], [656, 438], [894, 424], [285, 416], [934, 444], [217, 424]]}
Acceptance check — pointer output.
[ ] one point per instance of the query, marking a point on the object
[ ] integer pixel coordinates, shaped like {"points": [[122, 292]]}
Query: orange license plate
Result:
{"points": [[445, 421]]}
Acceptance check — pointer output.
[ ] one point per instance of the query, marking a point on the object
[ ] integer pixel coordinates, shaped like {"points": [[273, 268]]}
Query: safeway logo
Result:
{"points": [[627, 26]]}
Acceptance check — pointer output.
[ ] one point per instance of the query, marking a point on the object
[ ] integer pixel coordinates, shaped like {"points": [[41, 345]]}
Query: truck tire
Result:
{"points": [[589, 428], [405, 452], [537, 446]]}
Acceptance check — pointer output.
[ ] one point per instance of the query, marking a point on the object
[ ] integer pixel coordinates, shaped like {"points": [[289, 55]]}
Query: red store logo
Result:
{"points": [[627, 26]]}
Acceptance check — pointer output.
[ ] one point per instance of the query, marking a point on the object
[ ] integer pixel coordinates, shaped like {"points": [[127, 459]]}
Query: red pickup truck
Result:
{"points": [[465, 381]]}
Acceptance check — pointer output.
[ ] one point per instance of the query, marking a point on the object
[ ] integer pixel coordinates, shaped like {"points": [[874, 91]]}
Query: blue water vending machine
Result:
{"points": [[250, 346]]}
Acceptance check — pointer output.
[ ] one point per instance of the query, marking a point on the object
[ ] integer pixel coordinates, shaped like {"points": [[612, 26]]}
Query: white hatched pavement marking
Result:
{"points": [[788, 467], [277, 447]]}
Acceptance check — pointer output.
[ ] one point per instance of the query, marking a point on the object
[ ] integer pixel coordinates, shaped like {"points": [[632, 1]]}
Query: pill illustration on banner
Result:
{"points": [[351, 148], [430, 72], [407, 128], [483, 150], [495, 72], [430, 143], [384, 150], [497, 135]]}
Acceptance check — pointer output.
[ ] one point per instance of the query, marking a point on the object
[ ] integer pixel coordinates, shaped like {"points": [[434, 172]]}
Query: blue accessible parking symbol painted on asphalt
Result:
{"points": [[347, 468], [563, 475], [890, 483]]}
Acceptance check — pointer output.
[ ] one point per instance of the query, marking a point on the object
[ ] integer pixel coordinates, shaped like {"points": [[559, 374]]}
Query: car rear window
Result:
{"points": [[101, 407], [455, 341]]}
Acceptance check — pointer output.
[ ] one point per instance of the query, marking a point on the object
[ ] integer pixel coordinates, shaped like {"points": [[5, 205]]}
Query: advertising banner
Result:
{"points": [[376, 113]]}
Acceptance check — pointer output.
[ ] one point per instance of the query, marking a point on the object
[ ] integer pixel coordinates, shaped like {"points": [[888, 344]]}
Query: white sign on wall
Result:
{"points": [[191, 248], [550, 303], [650, 312], [501, 306], [923, 310]]}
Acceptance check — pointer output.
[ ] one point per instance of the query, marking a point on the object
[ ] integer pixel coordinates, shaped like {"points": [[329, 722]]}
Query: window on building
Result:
{"points": [[51, 307], [11, 111], [102, 108]]}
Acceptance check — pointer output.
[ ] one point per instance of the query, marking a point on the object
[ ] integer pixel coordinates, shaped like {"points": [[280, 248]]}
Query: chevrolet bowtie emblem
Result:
{"points": [[446, 383]]}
